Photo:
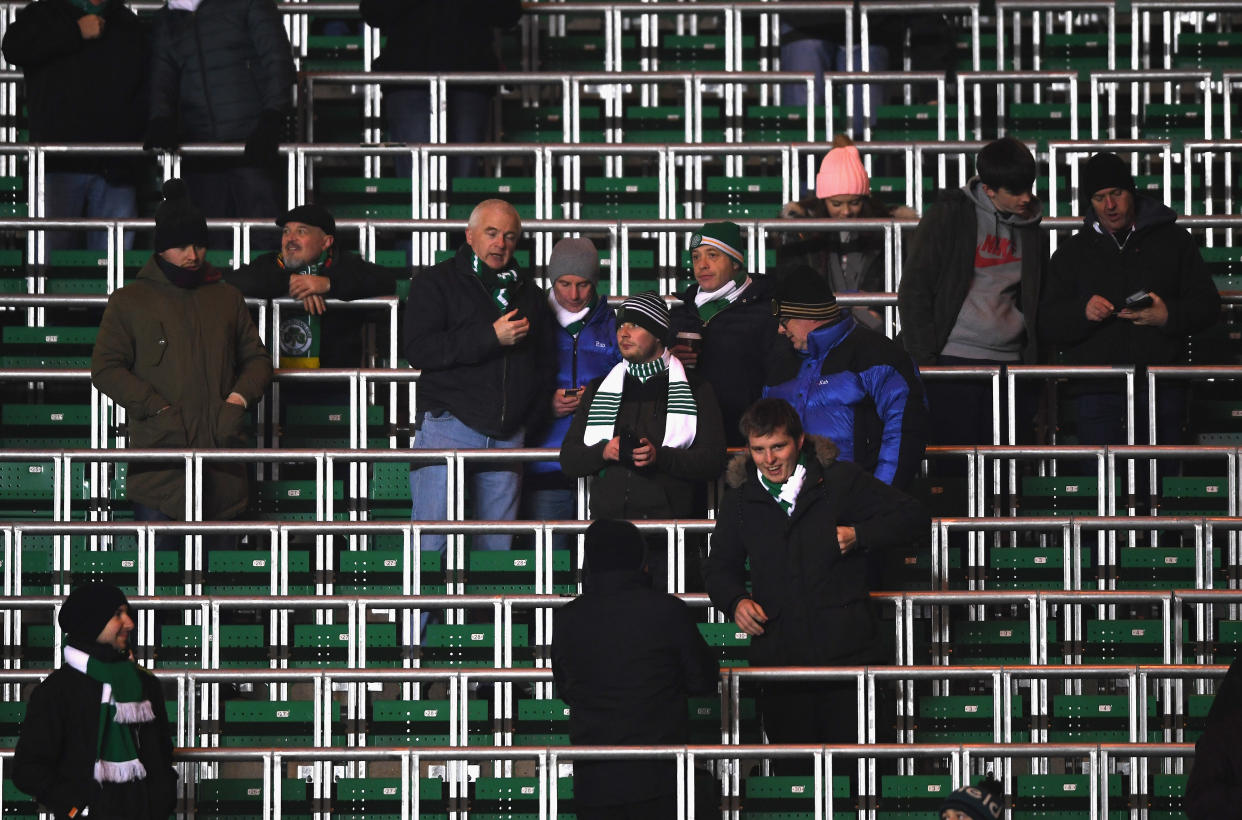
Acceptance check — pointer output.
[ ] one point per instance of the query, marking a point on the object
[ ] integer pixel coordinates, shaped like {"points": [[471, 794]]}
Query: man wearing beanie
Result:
{"points": [[177, 350], [788, 565], [625, 658], [1130, 245], [649, 431], [986, 801], [848, 383], [969, 290], [851, 262], [310, 267], [731, 313], [583, 340], [96, 739], [472, 325]]}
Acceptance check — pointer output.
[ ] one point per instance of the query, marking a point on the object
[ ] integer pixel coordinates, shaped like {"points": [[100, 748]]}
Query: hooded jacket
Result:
{"points": [[492, 389], [815, 597], [737, 344], [185, 349], [218, 67], [665, 489], [80, 90], [625, 658], [1156, 256], [940, 269], [860, 389], [55, 756], [579, 359], [352, 278]]}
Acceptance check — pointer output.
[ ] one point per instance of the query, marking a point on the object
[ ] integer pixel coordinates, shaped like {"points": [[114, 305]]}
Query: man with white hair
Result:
{"points": [[471, 326]]}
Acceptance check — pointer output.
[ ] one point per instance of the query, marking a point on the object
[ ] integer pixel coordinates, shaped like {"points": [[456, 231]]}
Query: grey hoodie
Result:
{"points": [[990, 323]]}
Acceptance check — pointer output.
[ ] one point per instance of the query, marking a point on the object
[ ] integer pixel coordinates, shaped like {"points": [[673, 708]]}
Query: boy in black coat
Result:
{"points": [[625, 657], [96, 733]]}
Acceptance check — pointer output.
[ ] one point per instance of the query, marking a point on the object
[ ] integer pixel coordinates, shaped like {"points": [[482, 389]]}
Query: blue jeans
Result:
{"points": [[820, 56], [408, 114], [69, 195], [550, 497], [494, 488]]}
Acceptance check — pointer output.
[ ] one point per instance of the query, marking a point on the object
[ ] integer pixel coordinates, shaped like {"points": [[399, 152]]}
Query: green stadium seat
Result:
{"points": [[26, 489], [425, 723], [52, 426], [17, 804], [1126, 641], [912, 123], [12, 713], [327, 645], [379, 571], [1060, 495], [366, 197], [1194, 496], [1167, 792], [291, 500], [379, 798], [732, 644], [965, 719], [793, 798], [514, 798], [326, 427], [120, 568], [235, 798], [56, 347], [513, 573], [908, 797], [472, 645], [275, 723], [742, 197], [629, 197], [1096, 719], [546, 723], [250, 572], [1207, 49], [466, 192], [1060, 797], [997, 641]]}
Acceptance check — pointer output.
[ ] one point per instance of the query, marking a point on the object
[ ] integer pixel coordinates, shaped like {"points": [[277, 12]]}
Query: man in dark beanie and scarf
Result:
{"points": [[177, 350], [96, 734], [986, 801], [626, 657]]}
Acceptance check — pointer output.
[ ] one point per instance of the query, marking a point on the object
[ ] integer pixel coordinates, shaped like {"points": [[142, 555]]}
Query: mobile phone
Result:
{"points": [[628, 443], [1138, 301], [572, 391]]}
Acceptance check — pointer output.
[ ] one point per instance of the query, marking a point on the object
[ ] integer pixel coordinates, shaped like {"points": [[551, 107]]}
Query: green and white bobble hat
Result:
{"points": [[724, 236]]}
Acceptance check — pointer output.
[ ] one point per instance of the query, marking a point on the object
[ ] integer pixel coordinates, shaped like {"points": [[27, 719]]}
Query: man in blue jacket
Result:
{"points": [[583, 342], [851, 384]]}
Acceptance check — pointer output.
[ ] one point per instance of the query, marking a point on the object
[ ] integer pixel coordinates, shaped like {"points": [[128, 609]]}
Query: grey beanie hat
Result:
{"points": [[574, 256]]}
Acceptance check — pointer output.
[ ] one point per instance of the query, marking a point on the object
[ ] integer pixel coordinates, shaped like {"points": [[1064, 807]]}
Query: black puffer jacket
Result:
{"points": [[55, 756], [80, 90], [493, 390], [1159, 257], [625, 657], [218, 67], [737, 344], [815, 597], [439, 35]]}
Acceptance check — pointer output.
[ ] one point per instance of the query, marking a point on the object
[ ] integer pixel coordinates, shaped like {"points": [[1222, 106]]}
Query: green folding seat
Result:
{"points": [[1126, 641], [702, 52], [793, 798], [1047, 121], [912, 797], [17, 804], [244, 646], [1194, 496], [1160, 568], [12, 713], [119, 567], [747, 197], [513, 573], [50, 426], [1061, 797], [326, 427], [378, 572], [1081, 51], [775, 123], [12, 193], [705, 720], [582, 52], [546, 123], [379, 798], [275, 723], [472, 645], [543, 723], [51, 347], [1207, 50], [333, 52], [366, 197], [243, 798], [911, 123], [425, 723], [327, 645], [965, 719], [1096, 719], [628, 197], [249, 572], [642, 273], [997, 641], [1197, 708], [389, 493], [1167, 794], [1059, 495], [1229, 638], [1212, 419], [731, 643], [36, 573], [466, 192], [26, 490], [515, 798], [667, 124]]}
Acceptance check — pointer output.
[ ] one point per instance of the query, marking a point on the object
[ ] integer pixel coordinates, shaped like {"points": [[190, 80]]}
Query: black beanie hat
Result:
{"points": [[647, 310], [985, 801], [177, 222], [88, 609], [1105, 170], [311, 214], [801, 293], [612, 544]]}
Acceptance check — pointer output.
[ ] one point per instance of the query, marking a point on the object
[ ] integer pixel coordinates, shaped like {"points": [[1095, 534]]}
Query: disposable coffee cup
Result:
{"points": [[692, 340]]}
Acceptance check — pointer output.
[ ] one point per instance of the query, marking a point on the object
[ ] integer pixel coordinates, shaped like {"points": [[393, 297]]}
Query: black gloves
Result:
{"points": [[161, 135], [263, 144]]}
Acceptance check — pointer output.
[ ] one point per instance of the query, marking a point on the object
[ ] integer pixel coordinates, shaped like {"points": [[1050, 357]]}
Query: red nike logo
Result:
{"points": [[994, 251]]}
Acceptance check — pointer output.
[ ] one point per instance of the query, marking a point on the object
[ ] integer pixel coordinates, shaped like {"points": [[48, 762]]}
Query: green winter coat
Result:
{"points": [[160, 345]]}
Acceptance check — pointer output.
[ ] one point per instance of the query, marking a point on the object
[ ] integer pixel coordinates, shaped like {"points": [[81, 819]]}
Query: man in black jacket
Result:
{"points": [[625, 657], [222, 71], [312, 268], [804, 521], [471, 325], [731, 312], [430, 36], [649, 431], [85, 72], [96, 734], [1130, 246]]}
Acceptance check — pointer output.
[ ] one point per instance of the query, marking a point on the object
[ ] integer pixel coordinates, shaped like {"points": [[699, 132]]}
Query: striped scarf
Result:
{"points": [[709, 304], [680, 420], [786, 493], [497, 281], [120, 707]]}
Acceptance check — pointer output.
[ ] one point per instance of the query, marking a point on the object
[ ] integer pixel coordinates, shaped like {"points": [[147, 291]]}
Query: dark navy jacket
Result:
{"points": [[862, 391], [579, 359]]}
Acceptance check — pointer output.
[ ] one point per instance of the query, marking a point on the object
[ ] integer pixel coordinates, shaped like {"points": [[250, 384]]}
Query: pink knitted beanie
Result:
{"points": [[842, 174]]}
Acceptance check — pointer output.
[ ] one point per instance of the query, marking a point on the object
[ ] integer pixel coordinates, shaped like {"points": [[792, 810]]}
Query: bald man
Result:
{"points": [[471, 326]]}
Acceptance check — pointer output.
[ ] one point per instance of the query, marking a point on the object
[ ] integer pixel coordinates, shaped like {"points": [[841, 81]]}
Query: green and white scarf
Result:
{"points": [[497, 281], [709, 304], [680, 419], [572, 321], [786, 493], [122, 705]]}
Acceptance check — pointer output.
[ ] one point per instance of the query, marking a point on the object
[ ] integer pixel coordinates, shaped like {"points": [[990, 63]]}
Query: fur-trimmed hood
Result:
{"points": [[742, 465]]}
